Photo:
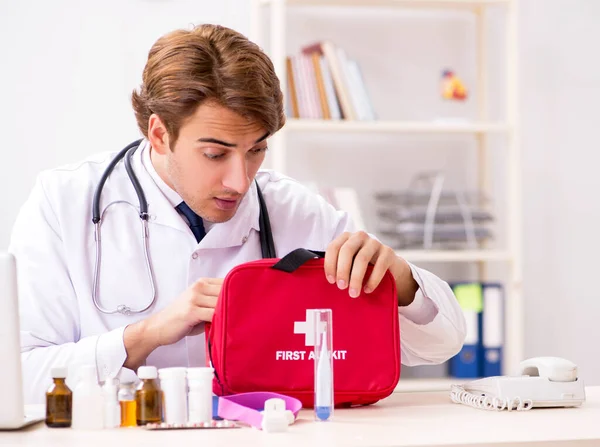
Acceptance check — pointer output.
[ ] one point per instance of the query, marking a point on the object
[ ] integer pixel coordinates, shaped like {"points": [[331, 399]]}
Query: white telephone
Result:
{"points": [[541, 382]]}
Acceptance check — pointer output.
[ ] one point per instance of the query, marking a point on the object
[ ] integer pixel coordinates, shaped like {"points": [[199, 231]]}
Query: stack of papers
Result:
{"points": [[431, 217]]}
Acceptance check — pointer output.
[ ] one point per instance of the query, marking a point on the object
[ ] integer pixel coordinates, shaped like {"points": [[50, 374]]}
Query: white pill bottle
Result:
{"points": [[200, 394]]}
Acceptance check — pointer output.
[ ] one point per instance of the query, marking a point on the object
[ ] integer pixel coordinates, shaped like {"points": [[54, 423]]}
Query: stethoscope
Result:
{"points": [[266, 236]]}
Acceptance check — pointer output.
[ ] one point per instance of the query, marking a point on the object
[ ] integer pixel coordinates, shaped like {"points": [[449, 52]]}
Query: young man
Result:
{"points": [[208, 104]]}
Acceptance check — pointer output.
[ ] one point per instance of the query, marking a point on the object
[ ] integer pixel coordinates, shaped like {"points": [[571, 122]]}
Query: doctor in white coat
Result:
{"points": [[208, 104]]}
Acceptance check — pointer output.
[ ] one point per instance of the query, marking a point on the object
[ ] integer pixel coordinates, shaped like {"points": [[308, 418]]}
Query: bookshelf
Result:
{"points": [[455, 255], [393, 3], [270, 17], [302, 125]]}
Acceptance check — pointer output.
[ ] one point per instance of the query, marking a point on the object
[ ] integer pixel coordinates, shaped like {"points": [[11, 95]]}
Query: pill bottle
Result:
{"points": [[148, 397], [174, 387], [200, 394], [127, 402], [88, 402], [112, 409], [59, 400]]}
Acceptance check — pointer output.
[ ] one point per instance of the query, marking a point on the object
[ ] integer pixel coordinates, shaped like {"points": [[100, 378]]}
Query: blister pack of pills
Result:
{"points": [[196, 425]]}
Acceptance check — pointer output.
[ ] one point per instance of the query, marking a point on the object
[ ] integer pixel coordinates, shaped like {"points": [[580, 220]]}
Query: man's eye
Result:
{"points": [[213, 156], [258, 150]]}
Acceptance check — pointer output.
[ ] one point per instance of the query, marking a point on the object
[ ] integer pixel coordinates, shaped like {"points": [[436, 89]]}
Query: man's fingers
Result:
{"points": [[205, 301], [346, 257], [208, 286], [212, 289], [204, 314], [331, 256], [359, 267], [212, 281], [215, 281], [384, 261]]}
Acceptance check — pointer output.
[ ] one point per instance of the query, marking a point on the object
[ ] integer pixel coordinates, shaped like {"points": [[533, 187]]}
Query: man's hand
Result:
{"points": [[181, 318], [348, 256]]}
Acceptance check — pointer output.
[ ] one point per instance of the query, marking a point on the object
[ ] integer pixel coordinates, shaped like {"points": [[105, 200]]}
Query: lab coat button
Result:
{"points": [[244, 239], [194, 255]]}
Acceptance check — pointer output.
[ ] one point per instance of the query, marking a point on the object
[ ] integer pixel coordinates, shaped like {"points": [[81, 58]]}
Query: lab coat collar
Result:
{"points": [[232, 233], [160, 209], [172, 196], [236, 230]]}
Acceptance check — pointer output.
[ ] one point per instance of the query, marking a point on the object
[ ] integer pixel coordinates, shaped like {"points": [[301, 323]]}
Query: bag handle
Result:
{"points": [[295, 259], [267, 245]]}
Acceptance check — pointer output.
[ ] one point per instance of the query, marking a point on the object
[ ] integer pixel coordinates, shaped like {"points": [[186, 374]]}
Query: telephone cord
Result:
{"points": [[459, 395]]}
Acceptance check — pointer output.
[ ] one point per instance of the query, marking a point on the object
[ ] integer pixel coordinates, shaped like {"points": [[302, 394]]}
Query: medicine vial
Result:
{"points": [[59, 400], [127, 403], [88, 402], [200, 394], [323, 364], [112, 409], [148, 397], [174, 388]]}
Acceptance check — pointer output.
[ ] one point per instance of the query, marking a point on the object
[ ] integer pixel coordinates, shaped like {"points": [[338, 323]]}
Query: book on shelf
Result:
{"points": [[323, 83]]}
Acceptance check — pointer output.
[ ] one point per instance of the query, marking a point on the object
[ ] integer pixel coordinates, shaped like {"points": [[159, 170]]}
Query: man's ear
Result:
{"points": [[158, 135]]}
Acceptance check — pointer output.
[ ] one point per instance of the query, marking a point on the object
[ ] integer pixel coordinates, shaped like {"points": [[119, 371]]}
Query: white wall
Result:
{"points": [[68, 68], [560, 119], [67, 71]]}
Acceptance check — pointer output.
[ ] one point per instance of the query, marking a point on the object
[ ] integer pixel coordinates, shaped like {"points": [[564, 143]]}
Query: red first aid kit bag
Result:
{"points": [[257, 341]]}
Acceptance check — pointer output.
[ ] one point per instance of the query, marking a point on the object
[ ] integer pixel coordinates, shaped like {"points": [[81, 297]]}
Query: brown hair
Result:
{"points": [[209, 62]]}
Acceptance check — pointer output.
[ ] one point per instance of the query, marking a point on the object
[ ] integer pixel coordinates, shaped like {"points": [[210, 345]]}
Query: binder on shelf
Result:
{"points": [[492, 330], [466, 364], [483, 308]]}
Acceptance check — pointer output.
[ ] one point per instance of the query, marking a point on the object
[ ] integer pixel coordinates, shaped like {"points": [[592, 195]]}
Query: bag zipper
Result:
{"points": [[213, 365]]}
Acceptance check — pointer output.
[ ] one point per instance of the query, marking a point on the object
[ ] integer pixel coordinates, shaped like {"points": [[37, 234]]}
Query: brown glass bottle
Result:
{"points": [[148, 397], [59, 400]]}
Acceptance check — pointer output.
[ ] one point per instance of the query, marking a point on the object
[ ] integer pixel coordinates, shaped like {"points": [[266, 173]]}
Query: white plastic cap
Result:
{"points": [[88, 372], [172, 373], [59, 372], [147, 372], [205, 373]]}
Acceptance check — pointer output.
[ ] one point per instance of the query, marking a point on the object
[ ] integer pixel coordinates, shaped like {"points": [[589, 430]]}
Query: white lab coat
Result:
{"points": [[53, 240]]}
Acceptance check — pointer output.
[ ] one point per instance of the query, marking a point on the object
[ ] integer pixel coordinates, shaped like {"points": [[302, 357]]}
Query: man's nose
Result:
{"points": [[237, 178]]}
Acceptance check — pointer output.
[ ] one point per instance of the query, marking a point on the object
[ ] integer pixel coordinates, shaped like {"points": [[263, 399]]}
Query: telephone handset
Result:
{"points": [[541, 382]]}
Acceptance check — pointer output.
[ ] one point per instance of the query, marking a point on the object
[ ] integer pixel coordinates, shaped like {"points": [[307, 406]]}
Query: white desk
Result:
{"points": [[403, 419]]}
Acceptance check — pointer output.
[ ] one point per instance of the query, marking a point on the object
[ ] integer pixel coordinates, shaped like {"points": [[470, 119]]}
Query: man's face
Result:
{"points": [[214, 161]]}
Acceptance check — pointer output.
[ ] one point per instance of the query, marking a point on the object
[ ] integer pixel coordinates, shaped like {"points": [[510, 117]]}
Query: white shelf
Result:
{"points": [[454, 256], [276, 28], [395, 3], [412, 385], [302, 125]]}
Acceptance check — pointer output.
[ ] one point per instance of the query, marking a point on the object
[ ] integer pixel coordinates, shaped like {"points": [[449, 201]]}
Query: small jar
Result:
{"points": [[127, 402], [148, 397], [174, 388], [200, 394], [59, 400]]}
